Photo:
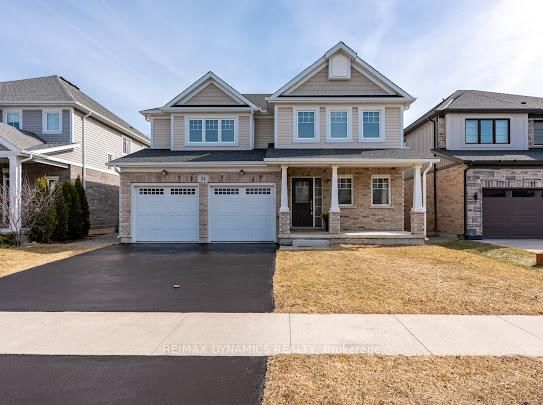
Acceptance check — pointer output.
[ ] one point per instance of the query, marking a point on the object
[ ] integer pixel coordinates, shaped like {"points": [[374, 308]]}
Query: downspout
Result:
{"points": [[424, 197], [435, 176], [83, 154]]}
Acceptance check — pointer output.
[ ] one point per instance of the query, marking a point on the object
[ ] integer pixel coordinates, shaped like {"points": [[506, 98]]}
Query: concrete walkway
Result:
{"points": [[262, 334], [530, 245]]}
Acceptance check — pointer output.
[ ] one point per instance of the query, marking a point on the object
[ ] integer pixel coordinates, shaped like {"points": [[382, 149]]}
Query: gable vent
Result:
{"points": [[339, 67]]}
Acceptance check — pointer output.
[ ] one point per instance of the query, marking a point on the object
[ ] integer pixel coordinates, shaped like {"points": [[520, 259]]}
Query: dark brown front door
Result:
{"points": [[302, 202]]}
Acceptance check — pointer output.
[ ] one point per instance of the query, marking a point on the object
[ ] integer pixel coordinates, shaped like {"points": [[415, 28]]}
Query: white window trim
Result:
{"points": [[349, 111], [361, 111], [317, 137], [44, 120], [382, 176], [13, 111], [52, 178], [347, 176], [535, 145], [110, 168], [125, 138], [214, 117]]}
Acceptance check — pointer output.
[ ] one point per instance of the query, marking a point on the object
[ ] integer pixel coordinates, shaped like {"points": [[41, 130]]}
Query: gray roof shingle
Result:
{"points": [[531, 156], [57, 89], [399, 153], [20, 138], [481, 101]]}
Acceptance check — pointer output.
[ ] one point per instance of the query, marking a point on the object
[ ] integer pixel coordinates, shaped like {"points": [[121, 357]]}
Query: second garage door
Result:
{"points": [[514, 213], [241, 213]]}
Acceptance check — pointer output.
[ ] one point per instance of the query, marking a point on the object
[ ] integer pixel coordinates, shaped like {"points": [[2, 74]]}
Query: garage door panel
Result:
{"points": [[512, 213], [241, 213], [166, 214]]}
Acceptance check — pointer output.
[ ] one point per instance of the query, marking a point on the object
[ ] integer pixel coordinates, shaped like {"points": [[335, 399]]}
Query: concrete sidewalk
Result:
{"points": [[263, 334]]}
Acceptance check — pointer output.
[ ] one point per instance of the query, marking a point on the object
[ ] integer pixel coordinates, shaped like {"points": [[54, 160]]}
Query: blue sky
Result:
{"points": [[132, 55]]}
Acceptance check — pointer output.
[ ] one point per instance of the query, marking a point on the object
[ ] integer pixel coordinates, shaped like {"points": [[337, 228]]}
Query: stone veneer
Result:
{"points": [[203, 179], [479, 178], [417, 223]]}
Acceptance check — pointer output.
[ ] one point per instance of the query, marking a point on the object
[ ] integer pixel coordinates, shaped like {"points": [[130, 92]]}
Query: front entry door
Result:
{"points": [[302, 202]]}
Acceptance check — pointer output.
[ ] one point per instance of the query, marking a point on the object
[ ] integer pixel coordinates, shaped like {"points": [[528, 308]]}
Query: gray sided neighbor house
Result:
{"points": [[49, 127], [489, 180], [321, 158]]}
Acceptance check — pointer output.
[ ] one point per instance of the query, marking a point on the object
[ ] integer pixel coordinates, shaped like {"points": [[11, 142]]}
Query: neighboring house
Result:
{"points": [[489, 181], [49, 127], [225, 166]]}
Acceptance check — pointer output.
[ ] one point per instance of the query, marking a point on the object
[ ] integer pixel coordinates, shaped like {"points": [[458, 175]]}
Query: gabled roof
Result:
{"points": [[18, 139], [364, 68], [201, 83], [57, 90], [481, 101]]}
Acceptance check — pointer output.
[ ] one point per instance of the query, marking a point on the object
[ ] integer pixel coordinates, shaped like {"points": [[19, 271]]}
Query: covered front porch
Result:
{"points": [[350, 201]]}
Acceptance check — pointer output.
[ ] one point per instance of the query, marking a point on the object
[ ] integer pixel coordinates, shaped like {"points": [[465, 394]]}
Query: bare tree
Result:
{"points": [[32, 202]]}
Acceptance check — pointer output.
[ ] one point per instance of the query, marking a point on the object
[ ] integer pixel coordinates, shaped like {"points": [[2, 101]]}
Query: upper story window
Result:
{"points": [[13, 118], [212, 131], [338, 125], [538, 132], [371, 125], [127, 145], [52, 121], [306, 128], [487, 131]]}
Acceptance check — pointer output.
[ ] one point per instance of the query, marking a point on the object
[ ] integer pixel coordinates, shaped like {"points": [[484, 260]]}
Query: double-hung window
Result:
{"points": [[13, 118], [212, 131], [538, 133], [306, 125], [345, 190], [127, 145], [486, 131], [371, 125], [380, 191], [338, 125], [52, 121]]}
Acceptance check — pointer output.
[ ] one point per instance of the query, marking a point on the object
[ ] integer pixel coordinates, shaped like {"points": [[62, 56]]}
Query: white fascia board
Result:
{"points": [[9, 145], [350, 162], [230, 169], [34, 102], [342, 100], [221, 83], [187, 164], [52, 149], [206, 109], [297, 78]]}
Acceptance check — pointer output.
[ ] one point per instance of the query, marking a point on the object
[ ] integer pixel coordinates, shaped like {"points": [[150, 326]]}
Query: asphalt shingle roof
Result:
{"points": [[481, 101], [398, 153], [20, 138], [530, 156], [57, 89]]}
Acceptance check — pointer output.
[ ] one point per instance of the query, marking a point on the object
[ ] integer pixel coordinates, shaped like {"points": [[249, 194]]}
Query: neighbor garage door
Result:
{"points": [[516, 213], [165, 213], [241, 213]]}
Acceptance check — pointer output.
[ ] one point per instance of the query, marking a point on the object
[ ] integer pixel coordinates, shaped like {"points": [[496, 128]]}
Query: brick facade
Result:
{"points": [[203, 179], [479, 178], [449, 204]]}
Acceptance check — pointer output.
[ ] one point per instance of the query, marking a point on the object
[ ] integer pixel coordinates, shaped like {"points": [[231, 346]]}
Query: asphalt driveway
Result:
{"points": [[131, 380], [141, 278]]}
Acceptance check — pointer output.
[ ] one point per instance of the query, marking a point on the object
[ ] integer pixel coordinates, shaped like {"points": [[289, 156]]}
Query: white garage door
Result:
{"points": [[166, 213], [242, 213]]}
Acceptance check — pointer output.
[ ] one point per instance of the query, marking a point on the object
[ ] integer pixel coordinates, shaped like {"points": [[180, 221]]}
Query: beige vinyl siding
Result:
{"points": [[422, 138], [161, 131], [180, 132], [393, 130], [319, 84], [263, 131], [211, 95], [518, 131]]}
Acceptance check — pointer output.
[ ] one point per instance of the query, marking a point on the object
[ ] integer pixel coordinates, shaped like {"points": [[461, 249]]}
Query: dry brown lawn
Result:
{"points": [[457, 278], [344, 379], [15, 259]]}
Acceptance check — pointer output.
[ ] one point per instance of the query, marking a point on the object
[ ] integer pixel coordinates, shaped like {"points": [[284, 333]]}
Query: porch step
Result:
{"points": [[314, 243]]}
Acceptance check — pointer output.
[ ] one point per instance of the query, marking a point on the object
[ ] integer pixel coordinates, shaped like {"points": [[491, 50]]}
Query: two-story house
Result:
{"points": [[49, 127], [321, 158], [489, 181]]}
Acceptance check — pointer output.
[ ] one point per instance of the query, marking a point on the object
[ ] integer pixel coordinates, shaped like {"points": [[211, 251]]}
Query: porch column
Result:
{"points": [[418, 211], [335, 213], [15, 184], [284, 211]]}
